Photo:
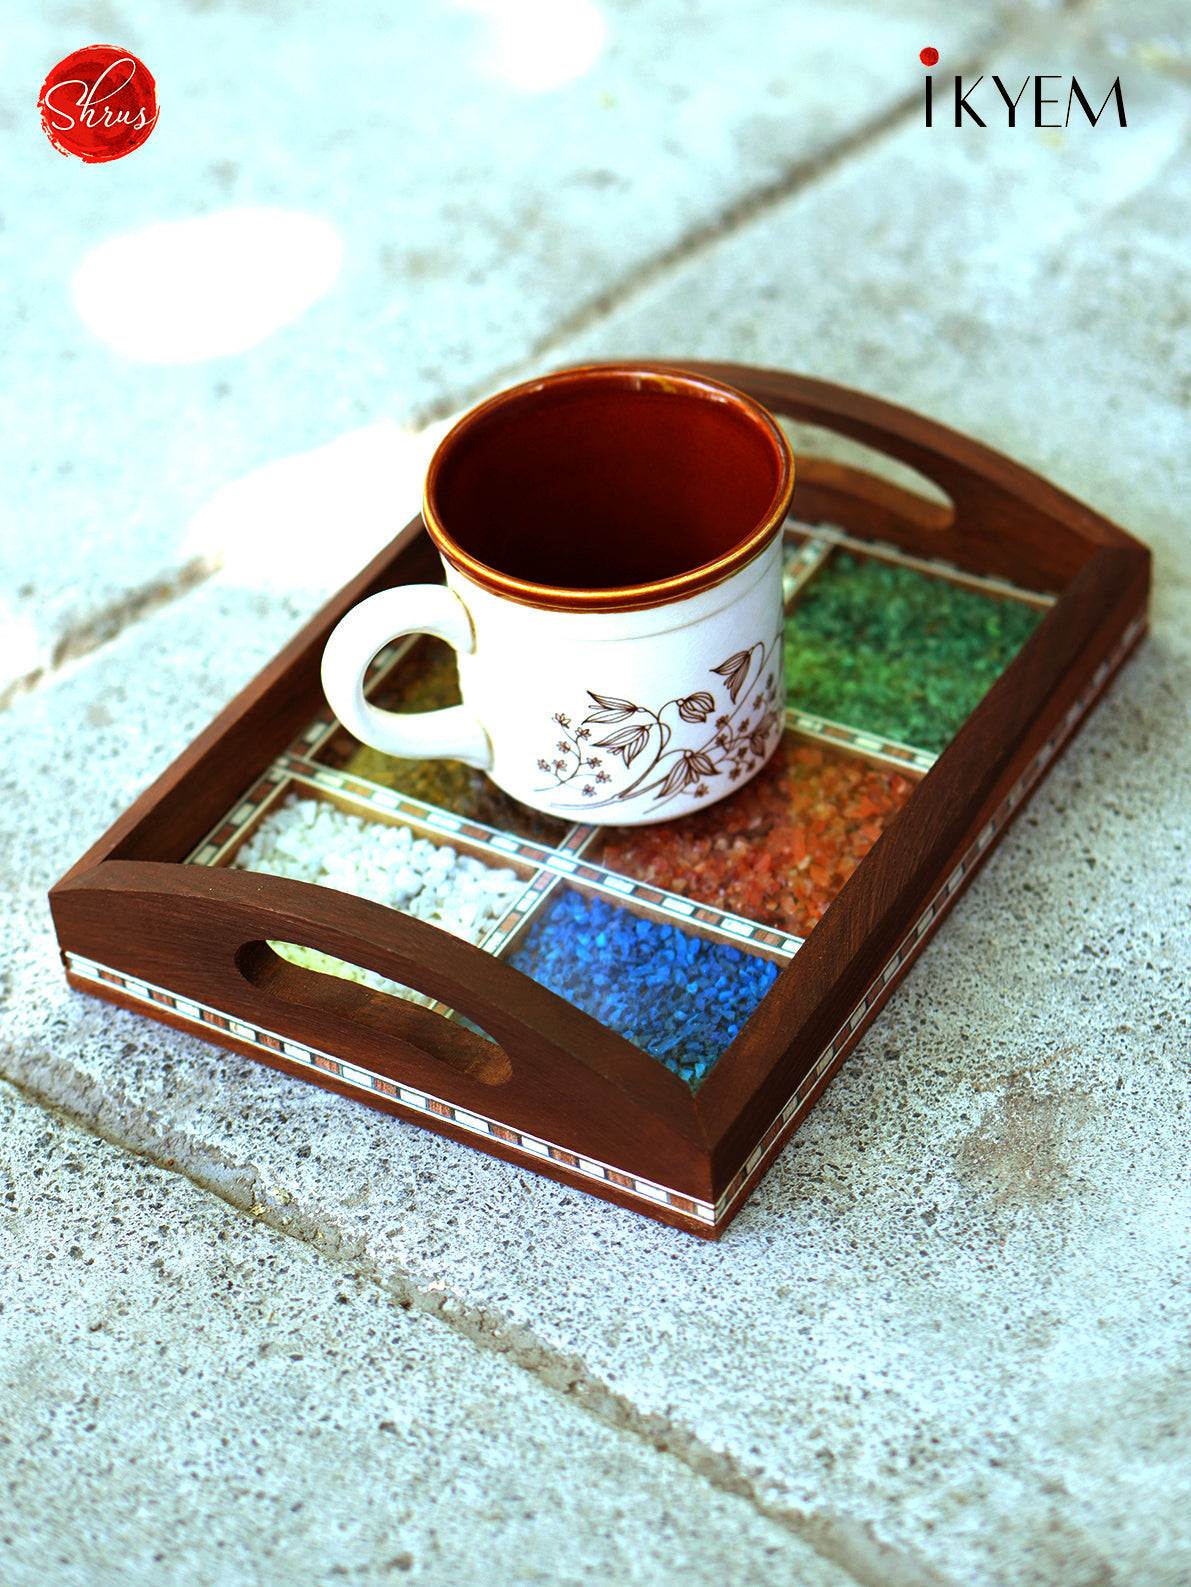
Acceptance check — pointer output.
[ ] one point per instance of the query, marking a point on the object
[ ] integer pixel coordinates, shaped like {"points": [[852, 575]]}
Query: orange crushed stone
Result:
{"points": [[779, 849]]}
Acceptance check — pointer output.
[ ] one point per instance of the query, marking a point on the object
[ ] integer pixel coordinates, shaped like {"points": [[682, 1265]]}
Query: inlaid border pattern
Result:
{"points": [[935, 567], [870, 746], [231, 829], [802, 559], [204, 1019], [565, 863]]}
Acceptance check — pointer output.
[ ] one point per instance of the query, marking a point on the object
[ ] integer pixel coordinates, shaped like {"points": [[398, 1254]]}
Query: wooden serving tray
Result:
{"points": [[153, 919]]}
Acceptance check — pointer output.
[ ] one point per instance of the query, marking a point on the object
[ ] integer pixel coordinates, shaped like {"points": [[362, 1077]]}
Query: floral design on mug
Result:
{"points": [[733, 745]]}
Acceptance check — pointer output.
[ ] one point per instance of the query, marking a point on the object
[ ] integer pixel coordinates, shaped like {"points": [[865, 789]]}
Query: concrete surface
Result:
{"points": [[947, 1339], [167, 1415]]}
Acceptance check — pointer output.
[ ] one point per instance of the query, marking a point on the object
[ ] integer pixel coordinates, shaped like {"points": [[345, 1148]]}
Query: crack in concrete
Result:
{"points": [[848, 1543], [110, 621], [53, 1085], [748, 207], [741, 212]]}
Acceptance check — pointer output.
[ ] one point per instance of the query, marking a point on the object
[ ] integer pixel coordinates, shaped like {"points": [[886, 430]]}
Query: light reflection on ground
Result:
{"points": [[311, 520], [187, 290], [537, 45]]}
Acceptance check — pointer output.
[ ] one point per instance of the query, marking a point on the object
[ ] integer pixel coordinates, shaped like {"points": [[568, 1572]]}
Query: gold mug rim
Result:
{"points": [[627, 597]]}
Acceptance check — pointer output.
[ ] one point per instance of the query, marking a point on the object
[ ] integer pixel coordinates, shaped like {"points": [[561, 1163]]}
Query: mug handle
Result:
{"points": [[450, 734]]}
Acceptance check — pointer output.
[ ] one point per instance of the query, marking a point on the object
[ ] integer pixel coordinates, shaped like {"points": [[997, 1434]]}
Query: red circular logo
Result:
{"points": [[929, 56], [99, 103]]}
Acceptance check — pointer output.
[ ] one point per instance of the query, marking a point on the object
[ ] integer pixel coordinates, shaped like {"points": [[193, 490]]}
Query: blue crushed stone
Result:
{"points": [[678, 997]]}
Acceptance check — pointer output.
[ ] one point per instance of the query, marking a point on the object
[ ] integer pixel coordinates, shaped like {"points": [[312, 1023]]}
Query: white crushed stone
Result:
{"points": [[312, 840]]}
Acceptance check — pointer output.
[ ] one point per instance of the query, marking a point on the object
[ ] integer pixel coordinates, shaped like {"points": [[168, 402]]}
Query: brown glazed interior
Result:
{"points": [[608, 488]]}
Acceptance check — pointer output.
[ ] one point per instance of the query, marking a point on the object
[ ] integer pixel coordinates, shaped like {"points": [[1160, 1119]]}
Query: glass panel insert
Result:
{"points": [[897, 653], [678, 996], [426, 679], [780, 848]]}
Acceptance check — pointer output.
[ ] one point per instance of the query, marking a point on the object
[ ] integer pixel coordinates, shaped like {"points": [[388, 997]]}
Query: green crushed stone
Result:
{"points": [[894, 652]]}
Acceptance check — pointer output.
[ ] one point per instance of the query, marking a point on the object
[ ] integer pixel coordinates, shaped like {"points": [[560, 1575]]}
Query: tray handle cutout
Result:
{"points": [[382, 1013], [203, 934], [1005, 520]]}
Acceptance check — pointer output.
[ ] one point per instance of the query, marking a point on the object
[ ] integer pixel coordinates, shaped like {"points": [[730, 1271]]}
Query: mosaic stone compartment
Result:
{"points": [[669, 934]]}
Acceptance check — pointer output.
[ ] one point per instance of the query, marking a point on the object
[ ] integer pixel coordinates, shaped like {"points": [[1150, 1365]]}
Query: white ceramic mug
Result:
{"points": [[612, 544]]}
